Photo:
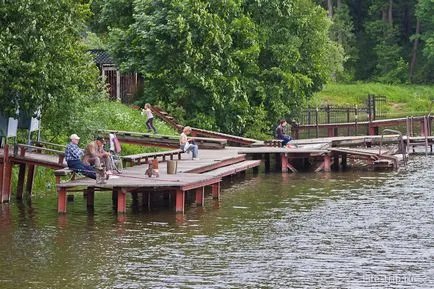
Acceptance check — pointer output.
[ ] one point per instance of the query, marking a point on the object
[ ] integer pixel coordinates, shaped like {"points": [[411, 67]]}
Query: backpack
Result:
{"points": [[117, 144]]}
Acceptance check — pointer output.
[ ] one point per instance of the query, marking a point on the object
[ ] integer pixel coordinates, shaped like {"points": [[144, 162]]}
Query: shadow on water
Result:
{"points": [[330, 230]]}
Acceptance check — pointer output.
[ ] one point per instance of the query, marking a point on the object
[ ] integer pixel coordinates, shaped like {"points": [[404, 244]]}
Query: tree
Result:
{"points": [[390, 66], [425, 12], [43, 62], [231, 65]]}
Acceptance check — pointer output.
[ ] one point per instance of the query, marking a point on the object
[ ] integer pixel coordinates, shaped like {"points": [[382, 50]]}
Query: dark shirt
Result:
{"points": [[280, 132]]}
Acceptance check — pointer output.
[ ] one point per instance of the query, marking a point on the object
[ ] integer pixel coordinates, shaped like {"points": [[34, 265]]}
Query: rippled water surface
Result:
{"points": [[331, 230]]}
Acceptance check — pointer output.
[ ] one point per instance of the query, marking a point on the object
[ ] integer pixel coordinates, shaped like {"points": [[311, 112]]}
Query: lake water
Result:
{"points": [[356, 229]]}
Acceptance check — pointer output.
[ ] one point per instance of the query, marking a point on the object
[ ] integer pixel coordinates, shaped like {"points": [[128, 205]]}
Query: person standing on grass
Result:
{"points": [[150, 122], [186, 144], [280, 132], [73, 155]]}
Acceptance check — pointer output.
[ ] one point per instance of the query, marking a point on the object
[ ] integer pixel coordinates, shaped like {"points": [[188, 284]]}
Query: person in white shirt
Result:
{"points": [[187, 145]]}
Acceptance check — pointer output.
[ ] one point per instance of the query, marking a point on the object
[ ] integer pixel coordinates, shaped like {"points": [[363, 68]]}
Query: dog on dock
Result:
{"points": [[152, 169], [101, 175]]}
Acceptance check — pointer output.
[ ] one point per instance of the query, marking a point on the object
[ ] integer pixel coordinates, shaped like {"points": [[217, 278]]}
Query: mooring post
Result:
{"points": [[180, 200], [61, 200], [122, 200], [200, 196]]}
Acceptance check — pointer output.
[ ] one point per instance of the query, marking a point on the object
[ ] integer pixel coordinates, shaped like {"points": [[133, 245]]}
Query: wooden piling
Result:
{"points": [[215, 189], [180, 200], [20, 184], [122, 201], [61, 200], [200, 192]]}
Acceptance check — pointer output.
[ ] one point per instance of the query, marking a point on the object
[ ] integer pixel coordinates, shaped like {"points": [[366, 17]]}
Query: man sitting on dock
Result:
{"points": [[73, 155], [280, 133]]}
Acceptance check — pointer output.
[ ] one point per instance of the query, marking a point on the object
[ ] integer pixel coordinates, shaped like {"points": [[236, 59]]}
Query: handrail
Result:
{"points": [[401, 143], [24, 146]]}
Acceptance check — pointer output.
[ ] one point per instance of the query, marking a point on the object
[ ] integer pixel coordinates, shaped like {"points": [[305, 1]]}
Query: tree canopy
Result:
{"points": [[43, 63], [233, 65]]}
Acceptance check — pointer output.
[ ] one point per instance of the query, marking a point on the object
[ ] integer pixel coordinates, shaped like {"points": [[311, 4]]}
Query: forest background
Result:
{"points": [[234, 66]]}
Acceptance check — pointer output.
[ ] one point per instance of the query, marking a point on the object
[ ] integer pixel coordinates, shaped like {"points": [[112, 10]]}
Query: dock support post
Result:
{"points": [[122, 200], [20, 184], [61, 200], [267, 163], [344, 161], [1, 180], [180, 200], [30, 176], [327, 163], [215, 190], [284, 162], [90, 197], [115, 198], [200, 196], [335, 164], [7, 179], [372, 130]]}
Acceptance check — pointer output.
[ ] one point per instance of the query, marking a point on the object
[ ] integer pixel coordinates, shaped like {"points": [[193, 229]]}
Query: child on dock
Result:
{"points": [[150, 122], [186, 144]]}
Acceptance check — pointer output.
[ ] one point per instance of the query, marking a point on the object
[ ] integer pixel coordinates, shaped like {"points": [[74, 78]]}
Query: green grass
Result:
{"points": [[401, 99]]}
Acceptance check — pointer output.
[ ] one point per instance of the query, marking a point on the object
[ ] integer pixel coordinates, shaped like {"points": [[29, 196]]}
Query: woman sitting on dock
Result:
{"points": [[280, 133], [186, 144]]}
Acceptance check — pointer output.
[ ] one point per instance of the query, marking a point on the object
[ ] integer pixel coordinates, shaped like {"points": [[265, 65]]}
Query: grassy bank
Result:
{"points": [[401, 99]]}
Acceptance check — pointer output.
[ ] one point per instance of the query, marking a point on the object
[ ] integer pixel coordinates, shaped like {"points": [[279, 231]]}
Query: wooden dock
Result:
{"points": [[194, 175]]}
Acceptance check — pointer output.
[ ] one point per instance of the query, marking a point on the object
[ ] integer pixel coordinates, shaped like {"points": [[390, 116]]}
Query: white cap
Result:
{"points": [[74, 136]]}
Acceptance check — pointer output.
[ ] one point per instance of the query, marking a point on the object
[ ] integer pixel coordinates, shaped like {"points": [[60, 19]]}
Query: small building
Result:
{"points": [[123, 87]]}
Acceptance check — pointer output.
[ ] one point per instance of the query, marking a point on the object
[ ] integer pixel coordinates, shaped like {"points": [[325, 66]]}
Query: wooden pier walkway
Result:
{"points": [[214, 164], [195, 175]]}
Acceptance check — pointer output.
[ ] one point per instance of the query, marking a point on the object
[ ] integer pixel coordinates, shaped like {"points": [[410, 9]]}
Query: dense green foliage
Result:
{"points": [[390, 41], [236, 66], [43, 62]]}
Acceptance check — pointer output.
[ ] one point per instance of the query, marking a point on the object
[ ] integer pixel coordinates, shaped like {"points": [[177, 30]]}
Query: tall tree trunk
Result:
{"points": [[390, 16], [338, 6], [414, 51], [330, 8]]}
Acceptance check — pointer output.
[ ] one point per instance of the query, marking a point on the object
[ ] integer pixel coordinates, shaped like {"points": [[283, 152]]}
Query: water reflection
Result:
{"points": [[325, 230]]}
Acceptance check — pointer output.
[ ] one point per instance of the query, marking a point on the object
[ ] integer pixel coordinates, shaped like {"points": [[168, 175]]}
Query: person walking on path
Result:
{"points": [[73, 155], [186, 144], [150, 122]]}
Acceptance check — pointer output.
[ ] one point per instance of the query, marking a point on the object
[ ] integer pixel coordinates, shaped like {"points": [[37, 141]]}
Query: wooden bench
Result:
{"points": [[63, 173], [274, 143], [144, 157]]}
